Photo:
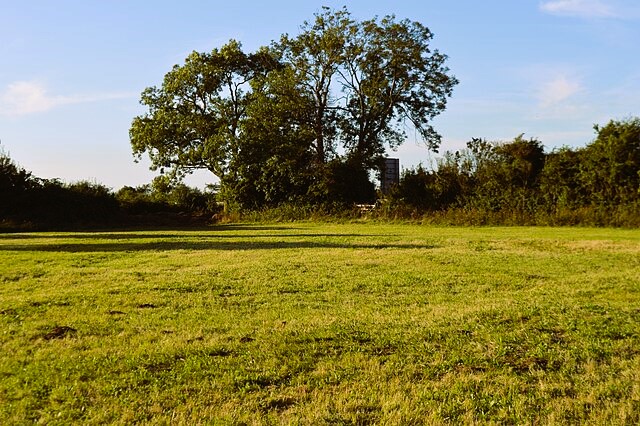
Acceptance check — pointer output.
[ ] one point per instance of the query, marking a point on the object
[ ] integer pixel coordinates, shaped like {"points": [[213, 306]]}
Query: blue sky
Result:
{"points": [[71, 72]]}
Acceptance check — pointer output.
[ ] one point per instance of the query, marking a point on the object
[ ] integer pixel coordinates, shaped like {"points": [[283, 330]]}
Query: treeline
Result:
{"points": [[31, 203], [516, 182], [499, 183]]}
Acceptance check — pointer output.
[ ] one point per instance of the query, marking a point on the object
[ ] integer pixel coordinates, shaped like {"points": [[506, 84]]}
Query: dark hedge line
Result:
{"points": [[31, 203]]}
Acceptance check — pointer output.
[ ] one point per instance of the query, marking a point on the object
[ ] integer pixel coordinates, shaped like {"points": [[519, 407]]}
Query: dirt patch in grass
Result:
{"points": [[59, 332]]}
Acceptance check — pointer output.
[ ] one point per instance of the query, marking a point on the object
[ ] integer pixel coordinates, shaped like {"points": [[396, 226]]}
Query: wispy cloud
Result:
{"points": [[557, 90], [579, 8], [29, 97]]}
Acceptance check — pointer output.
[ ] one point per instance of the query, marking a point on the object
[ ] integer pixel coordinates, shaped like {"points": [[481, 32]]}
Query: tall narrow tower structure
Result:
{"points": [[390, 175]]}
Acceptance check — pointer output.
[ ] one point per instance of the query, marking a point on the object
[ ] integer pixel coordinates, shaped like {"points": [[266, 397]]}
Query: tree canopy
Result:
{"points": [[273, 125], [194, 118]]}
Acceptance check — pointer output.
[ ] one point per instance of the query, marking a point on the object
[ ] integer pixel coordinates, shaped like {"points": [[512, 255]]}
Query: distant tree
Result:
{"points": [[598, 184], [15, 182], [346, 182], [415, 188], [610, 167], [12, 177], [443, 188], [522, 161], [452, 184], [505, 175], [139, 200], [560, 185], [391, 78]]}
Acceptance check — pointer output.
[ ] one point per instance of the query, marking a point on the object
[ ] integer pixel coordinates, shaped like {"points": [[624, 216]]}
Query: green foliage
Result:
{"points": [[345, 183], [314, 57], [415, 188], [392, 78], [434, 190], [161, 197], [28, 202], [274, 163], [388, 74], [138, 200], [194, 118], [33, 202], [270, 124], [517, 183], [507, 177], [277, 175], [14, 182], [487, 176], [13, 178], [53, 204], [522, 161], [560, 185], [610, 170]]}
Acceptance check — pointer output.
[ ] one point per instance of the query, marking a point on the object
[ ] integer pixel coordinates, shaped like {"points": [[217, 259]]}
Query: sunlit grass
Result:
{"points": [[321, 323]]}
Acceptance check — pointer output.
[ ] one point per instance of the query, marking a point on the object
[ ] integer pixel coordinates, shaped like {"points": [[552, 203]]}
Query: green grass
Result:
{"points": [[314, 323]]}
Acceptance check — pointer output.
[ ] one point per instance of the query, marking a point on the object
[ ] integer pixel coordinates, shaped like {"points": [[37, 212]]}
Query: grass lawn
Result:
{"points": [[311, 323]]}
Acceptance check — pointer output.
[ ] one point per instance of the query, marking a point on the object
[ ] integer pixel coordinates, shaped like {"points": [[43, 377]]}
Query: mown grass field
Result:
{"points": [[312, 323]]}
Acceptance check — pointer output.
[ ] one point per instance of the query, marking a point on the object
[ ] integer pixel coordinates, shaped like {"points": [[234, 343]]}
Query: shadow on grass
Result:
{"points": [[205, 245], [182, 236], [143, 232]]}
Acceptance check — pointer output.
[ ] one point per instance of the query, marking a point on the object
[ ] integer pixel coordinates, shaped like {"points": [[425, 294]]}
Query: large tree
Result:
{"points": [[274, 125]]}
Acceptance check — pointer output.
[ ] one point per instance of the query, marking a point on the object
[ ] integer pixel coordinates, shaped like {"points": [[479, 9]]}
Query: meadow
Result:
{"points": [[316, 323]]}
